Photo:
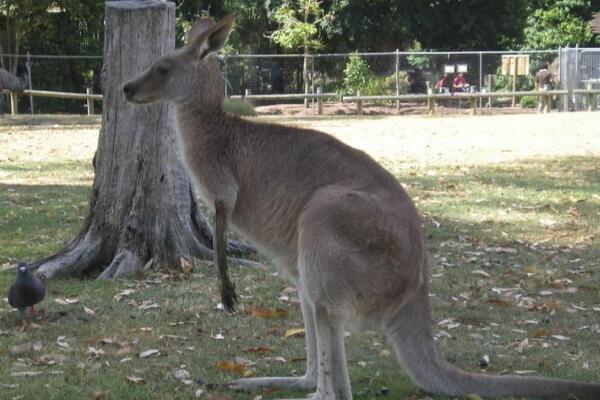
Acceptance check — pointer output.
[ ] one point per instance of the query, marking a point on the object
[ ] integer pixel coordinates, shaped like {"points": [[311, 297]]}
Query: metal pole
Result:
{"points": [[561, 105], [225, 74], [397, 79], [480, 78], [576, 83], [28, 66], [90, 101], [312, 80]]}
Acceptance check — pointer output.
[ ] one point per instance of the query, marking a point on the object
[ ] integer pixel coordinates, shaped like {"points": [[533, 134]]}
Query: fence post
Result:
{"points": [[247, 93], [14, 103], [473, 101], [90, 101], [591, 98], [359, 104], [430, 102], [28, 66], [319, 100]]}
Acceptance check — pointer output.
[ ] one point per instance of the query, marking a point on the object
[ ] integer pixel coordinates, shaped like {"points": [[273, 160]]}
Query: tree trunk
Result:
{"points": [[143, 210]]}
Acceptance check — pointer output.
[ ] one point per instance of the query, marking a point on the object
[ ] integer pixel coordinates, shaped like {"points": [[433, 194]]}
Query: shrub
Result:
{"points": [[529, 101], [238, 107], [390, 83], [356, 75]]}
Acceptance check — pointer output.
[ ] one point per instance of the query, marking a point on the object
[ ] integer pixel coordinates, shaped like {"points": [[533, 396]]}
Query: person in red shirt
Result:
{"points": [[460, 83], [443, 83]]}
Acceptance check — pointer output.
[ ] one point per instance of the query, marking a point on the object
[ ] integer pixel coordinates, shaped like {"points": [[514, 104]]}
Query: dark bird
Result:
{"points": [[27, 291]]}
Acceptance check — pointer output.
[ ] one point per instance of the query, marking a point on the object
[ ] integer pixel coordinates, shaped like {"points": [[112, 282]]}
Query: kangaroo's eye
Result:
{"points": [[162, 70]]}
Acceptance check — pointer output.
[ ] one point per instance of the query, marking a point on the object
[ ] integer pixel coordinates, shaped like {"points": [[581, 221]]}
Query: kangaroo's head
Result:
{"points": [[187, 73]]}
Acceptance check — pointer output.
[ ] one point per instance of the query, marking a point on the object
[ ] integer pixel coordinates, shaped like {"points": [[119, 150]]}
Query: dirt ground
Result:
{"points": [[415, 140], [298, 110]]}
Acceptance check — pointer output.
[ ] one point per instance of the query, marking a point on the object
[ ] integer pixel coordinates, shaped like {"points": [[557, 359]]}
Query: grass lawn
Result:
{"points": [[511, 209]]}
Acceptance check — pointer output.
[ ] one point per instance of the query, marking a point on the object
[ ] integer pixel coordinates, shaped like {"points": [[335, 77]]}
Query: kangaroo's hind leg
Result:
{"points": [[309, 380]]}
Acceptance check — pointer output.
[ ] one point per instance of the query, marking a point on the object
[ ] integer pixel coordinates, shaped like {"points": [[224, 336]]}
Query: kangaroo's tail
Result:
{"points": [[410, 334]]}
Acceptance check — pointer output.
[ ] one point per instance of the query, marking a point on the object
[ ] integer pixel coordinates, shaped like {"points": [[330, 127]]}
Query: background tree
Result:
{"points": [[143, 209], [557, 23], [300, 24]]}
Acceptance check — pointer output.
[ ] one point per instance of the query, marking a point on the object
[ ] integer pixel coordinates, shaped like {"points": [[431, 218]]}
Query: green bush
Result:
{"points": [[357, 75], [529, 101], [390, 83], [239, 107]]}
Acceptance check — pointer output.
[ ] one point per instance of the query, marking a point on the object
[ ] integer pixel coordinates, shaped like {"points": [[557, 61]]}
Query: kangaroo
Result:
{"points": [[333, 221]]}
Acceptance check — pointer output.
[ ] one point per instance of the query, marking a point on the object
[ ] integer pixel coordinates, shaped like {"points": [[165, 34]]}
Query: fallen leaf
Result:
{"points": [[182, 374], [26, 348], [219, 336], [89, 311], [52, 359], [231, 366], [538, 333], [561, 337], [148, 265], [135, 379], [25, 373], [161, 337], [149, 353], [218, 396], [99, 395], [61, 341], [66, 301], [295, 332], [186, 265], [123, 293], [94, 352], [258, 350], [148, 305], [480, 273], [263, 313], [523, 345]]}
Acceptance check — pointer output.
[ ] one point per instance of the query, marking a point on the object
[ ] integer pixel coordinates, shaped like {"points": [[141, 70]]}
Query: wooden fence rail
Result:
{"points": [[89, 97], [471, 97], [430, 98]]}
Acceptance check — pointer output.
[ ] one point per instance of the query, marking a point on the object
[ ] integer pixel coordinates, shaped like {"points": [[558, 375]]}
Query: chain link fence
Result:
{"points": [[389, 73]]}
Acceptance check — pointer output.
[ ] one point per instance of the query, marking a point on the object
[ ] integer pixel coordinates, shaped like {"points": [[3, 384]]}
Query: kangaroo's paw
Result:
{"points": [[301, 382]]}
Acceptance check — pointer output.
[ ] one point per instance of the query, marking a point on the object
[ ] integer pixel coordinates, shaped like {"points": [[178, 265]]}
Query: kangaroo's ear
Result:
{"points": [[206, 37]]}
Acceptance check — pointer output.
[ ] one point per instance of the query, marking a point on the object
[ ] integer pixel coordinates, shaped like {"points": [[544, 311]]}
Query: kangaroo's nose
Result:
{"points": [[127, 90]]}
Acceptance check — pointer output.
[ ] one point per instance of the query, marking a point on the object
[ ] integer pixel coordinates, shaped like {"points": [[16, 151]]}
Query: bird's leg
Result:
{"points": [[24, 324], [32, 311]]}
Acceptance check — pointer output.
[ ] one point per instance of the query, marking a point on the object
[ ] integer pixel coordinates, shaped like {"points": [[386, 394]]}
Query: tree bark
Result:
{"points": [[143, 210]]}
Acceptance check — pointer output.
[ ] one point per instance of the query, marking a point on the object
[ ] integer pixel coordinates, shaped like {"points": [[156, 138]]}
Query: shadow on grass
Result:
{"points": [[49, 120], [37, 219]]}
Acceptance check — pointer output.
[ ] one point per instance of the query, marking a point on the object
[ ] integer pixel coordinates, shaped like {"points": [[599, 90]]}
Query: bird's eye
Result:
{"points": [[162, 70]]}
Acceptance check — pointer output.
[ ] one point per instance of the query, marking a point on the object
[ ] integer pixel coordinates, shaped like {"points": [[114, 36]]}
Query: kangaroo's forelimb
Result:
{"points": [[228, 296]]}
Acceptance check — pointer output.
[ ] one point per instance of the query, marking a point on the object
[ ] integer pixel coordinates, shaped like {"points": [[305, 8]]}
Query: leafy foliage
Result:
{"points": [[559, 23], [356, 74]]}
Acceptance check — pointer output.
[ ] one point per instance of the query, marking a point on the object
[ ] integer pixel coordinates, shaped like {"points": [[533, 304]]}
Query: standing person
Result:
{"points": [[544, 80]]}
